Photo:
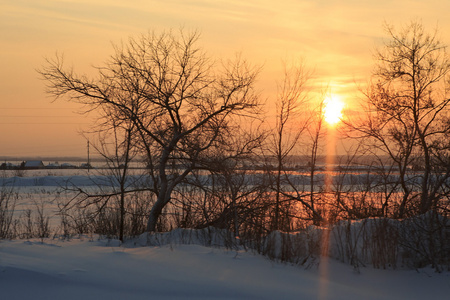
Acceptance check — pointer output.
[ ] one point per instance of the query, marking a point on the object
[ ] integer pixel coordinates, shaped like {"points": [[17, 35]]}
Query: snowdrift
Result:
{"points": [[378, 242]]}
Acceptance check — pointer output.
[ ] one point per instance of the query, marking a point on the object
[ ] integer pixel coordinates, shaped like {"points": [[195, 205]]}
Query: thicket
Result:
{"points": [[209, 215]]}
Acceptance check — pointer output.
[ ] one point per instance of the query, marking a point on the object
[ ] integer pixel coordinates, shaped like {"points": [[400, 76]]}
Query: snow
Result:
{"points": [[81, 177], [91, 268], [164, 267]]}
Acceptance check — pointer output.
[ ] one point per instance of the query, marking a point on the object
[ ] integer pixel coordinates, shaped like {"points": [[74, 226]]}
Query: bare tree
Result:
{"points": [[176, 97], [118, 152], [291, 101], [239, 188], [408, 113], [316, 132]]}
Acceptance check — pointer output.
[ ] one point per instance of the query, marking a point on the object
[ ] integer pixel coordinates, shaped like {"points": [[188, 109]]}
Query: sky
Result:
{"points": [[335, 38]]}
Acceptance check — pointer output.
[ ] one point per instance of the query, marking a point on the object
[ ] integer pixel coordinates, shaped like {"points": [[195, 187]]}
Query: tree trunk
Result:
{"points": [[161, 201], [156, 211]]}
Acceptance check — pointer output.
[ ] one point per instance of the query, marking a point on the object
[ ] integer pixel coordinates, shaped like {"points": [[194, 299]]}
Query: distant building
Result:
{"points": [[34, 164]]}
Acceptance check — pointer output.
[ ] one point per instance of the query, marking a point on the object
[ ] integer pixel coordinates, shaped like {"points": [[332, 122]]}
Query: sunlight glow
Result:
{"points": [[333, 110]]}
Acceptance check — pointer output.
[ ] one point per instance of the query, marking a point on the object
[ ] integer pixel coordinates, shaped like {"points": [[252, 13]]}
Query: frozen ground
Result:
{"points": [[84, 269]]}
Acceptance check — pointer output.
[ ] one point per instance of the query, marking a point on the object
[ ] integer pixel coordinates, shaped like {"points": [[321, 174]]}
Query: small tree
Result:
{"points": [[316, 132], [176, 97], [117, 149], [236, 186], [291, 101]]}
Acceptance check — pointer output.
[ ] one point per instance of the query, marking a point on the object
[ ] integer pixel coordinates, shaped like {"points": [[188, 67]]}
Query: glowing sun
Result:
{"points": [[332, 111]]}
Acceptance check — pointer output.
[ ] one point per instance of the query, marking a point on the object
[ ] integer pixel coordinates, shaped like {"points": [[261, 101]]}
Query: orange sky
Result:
{"points": [[336, 38]]}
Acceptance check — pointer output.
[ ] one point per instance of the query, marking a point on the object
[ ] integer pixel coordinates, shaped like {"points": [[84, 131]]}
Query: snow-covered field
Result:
{"points": [[101, 269], [89, 268]]}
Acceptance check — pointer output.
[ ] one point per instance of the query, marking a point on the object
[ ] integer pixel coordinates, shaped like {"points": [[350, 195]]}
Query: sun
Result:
{"points": [[332, 111]]}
